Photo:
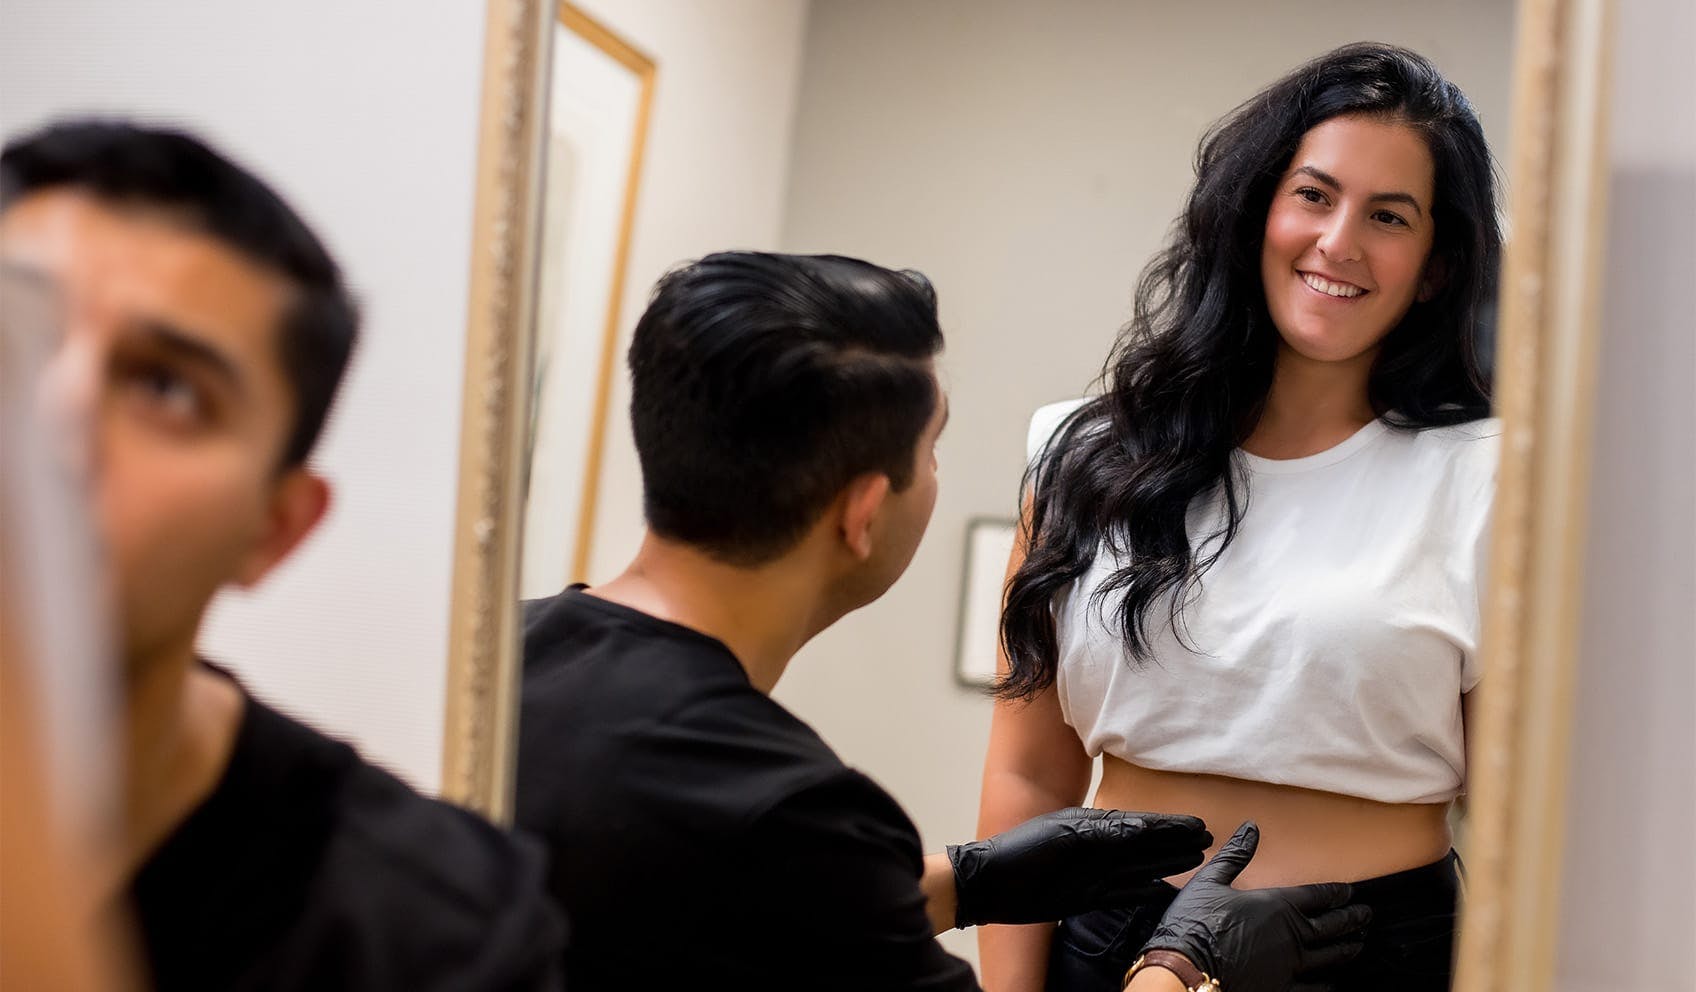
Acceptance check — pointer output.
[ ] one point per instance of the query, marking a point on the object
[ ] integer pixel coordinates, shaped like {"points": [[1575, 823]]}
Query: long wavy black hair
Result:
{"points": [[1188, 378]]}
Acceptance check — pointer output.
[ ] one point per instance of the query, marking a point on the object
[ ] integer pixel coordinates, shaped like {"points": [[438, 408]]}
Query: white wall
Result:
{"points": [[363, 113], [716, 169], [1029, 157], [1628, 893]]}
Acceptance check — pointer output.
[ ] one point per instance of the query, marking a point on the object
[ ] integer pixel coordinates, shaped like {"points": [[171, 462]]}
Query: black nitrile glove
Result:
{"points": [[1259, 940], [1071, 861]]}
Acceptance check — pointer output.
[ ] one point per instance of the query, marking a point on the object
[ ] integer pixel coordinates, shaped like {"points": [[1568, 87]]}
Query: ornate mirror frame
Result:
{"points": [[1545, 395], [480, 733]]}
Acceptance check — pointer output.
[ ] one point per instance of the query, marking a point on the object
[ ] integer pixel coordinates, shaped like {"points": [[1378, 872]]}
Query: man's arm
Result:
{"points": [[941, 898], [1155, 980], [844, 901]]}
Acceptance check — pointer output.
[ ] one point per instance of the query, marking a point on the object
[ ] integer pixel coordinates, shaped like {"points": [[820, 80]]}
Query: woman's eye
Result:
{"points": [[1386, 217], [1310, 194]]}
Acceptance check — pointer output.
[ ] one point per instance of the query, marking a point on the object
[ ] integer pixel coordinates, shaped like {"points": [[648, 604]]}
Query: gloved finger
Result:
{"points": [[1157, 833], [1131, 845], [1176, 824], [1330, 955], [1142, 870], [1082, 813], [1130, 865], [1338, 923], [1315, 899], [1149, 831], [1233, 856]]}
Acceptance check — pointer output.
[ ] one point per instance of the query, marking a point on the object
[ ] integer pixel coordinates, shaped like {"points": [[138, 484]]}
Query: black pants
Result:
{"points": [[1409, 944]]}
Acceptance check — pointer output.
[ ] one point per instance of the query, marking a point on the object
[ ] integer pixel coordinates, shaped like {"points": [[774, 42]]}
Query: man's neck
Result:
{"points": [[763, 615], [181, 721]]}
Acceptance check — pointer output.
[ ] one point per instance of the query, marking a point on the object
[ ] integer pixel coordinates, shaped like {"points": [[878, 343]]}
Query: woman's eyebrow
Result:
{"points": [[1395, 196]]}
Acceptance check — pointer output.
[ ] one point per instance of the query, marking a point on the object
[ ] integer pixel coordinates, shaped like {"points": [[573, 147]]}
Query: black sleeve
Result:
{"points": [[417, 896], [837, 888]]}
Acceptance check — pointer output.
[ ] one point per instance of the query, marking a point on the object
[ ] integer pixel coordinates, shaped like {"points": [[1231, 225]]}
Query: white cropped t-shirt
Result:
{"points": [[1330, 644]]}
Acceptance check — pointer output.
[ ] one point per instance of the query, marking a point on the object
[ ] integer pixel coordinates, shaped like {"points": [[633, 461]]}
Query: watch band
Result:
{"points": [[1194, 979]]}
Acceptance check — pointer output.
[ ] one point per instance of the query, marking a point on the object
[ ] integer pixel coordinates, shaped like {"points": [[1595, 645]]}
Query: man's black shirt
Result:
{"points": [[307, 868], [699, 834]]}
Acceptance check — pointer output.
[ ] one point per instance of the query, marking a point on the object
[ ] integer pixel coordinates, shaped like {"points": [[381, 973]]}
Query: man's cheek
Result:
{"points": [[167, 528]]}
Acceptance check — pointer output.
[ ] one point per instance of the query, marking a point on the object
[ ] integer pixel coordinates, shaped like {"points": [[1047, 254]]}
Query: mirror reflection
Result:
{"points": [[1168, 331], [599, 94]]}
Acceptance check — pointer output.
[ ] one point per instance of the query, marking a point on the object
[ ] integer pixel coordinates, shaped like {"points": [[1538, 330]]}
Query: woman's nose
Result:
{"points": [[1338, 239]]}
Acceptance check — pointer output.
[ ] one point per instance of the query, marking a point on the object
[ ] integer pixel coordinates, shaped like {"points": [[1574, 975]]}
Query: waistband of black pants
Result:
{"points": [[1438, 881]]}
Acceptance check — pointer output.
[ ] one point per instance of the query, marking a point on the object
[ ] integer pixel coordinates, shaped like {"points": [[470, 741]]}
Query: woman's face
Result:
{"points": [[1348, 237]]}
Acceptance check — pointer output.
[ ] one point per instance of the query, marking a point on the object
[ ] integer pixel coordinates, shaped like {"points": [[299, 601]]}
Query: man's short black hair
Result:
{"points": [[762, 384], [132, 165]]}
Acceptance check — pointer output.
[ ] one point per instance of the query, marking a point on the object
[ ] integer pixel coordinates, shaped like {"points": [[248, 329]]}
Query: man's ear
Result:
{"points": [[298, 503], [1431, 282], [861, 503]]}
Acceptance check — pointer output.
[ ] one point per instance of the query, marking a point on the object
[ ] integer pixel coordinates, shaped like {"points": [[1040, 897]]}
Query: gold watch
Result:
{"points": [[1194, 979]]}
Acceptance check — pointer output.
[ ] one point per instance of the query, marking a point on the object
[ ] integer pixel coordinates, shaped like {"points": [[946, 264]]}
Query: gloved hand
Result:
{"points": [[1070, 861], [1259, 940]]}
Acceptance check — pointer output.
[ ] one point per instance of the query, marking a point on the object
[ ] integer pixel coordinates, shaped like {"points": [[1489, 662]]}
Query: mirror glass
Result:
{"points": [[598, 100], [1030, 158]]}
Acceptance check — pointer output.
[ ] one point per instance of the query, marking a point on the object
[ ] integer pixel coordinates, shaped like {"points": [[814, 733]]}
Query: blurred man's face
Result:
{"points": [[169, 362]]}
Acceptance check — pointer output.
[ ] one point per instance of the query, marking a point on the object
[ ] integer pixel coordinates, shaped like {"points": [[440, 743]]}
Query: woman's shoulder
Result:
{"points": [[1466, 453], [1045, 422], [1471, 440], [1482, 429]]}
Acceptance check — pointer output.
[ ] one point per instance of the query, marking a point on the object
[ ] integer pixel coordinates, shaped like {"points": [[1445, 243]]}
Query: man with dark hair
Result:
{"points": [[210, 329], [786, 410]]}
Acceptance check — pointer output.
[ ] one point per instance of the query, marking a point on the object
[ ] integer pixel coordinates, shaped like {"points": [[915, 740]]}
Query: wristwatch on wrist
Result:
{"points": [[1194, 979]]}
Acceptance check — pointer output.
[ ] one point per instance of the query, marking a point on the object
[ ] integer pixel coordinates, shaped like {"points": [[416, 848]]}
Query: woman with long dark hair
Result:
{"points": [[1248, 571]]}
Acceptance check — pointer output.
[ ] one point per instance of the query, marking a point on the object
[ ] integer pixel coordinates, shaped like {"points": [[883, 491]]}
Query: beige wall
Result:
{"points": [[1628, 891], [1029, 158]]}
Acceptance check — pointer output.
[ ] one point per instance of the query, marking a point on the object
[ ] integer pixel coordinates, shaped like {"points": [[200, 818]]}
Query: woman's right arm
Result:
{"points": [[1035, 765]]}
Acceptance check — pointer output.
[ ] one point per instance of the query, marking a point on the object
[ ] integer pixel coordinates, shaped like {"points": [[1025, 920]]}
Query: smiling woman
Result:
{"points": [[1278, 508]]}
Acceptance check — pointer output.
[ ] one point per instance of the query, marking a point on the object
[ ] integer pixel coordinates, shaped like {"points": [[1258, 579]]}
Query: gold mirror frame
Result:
{"points": [[1545, 395], [1547, 342], [480, 727]]}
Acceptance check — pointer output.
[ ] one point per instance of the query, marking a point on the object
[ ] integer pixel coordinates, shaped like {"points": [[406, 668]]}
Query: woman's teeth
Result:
{"points": [[1330, 288]]}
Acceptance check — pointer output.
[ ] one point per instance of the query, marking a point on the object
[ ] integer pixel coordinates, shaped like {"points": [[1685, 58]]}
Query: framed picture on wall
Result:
{"points": [[599, 102], [989, 542]]}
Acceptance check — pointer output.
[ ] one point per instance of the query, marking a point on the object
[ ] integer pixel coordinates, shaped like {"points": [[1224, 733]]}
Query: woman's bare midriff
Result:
{"points": [[1305, 835]]}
